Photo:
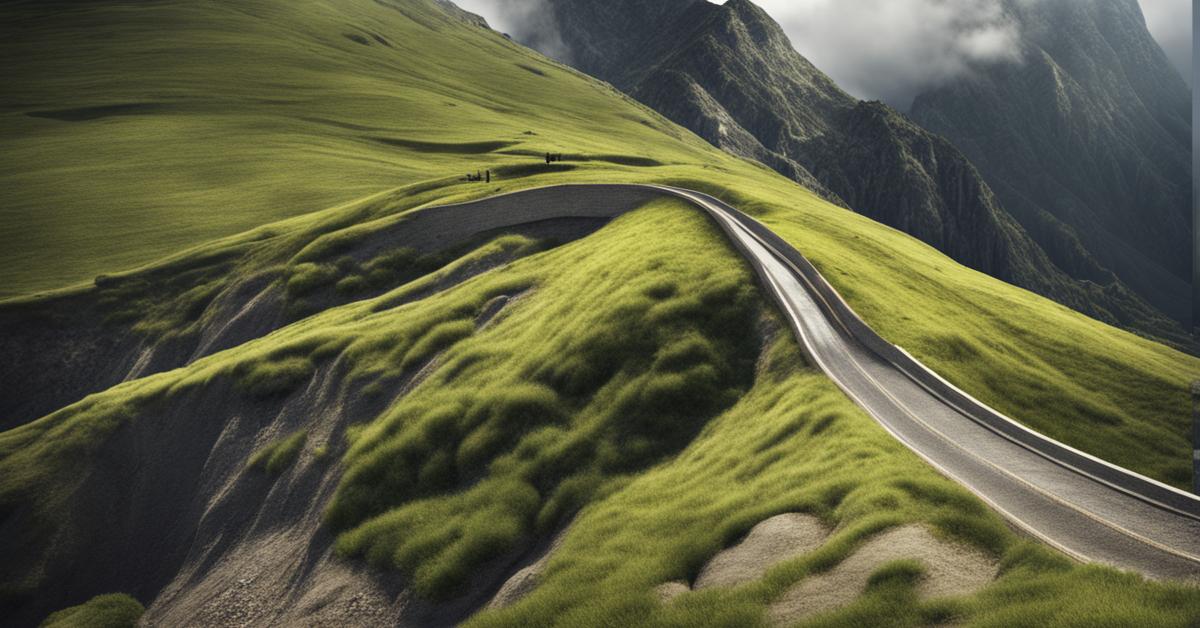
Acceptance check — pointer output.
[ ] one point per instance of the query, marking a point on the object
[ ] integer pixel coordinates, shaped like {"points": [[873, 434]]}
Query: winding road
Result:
{"points": [[1089, 509], [1106, 515]]}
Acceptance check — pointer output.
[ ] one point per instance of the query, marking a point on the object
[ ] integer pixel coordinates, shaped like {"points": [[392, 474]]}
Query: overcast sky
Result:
{"points": [[890, 49], [1171, 23]]}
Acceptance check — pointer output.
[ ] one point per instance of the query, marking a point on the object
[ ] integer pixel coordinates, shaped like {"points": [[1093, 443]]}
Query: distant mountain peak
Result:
{"points": [[730, 74], [1096, 125]]}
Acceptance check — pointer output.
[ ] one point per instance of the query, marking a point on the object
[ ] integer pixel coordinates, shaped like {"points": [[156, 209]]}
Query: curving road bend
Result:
{"points": [[1074, 511], [1089, 509]]}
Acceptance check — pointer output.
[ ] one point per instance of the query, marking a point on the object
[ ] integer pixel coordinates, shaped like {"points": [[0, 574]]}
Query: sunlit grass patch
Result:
{"points": [[270, 378], [114, 610], [276, 457], [576, 388]]}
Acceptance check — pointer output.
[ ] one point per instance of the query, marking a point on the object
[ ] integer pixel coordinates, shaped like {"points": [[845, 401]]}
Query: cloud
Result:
{"points": [[528, 21], [892, 49], [889, 50], [1170, 22]]}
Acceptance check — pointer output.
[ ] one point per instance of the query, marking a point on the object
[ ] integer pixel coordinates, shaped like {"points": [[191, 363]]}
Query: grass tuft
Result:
{"points": [[264, 379], [279, 455], [113, 610]]}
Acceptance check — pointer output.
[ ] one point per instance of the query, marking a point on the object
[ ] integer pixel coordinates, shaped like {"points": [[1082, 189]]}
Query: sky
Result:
{"points": [[888, 49], [1170, 22], [893, 49]]}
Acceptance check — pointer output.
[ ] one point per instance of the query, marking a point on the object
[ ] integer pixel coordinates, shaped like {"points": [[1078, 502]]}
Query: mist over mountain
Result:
{"points": [[891, 50], [1086, 141], [730, 74], [888, 50], [895, 49]]}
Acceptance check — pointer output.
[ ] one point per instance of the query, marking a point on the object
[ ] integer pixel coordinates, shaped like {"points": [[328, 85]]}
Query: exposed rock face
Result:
{"points": [[918, 183], [1085, 142], [730, 74]]}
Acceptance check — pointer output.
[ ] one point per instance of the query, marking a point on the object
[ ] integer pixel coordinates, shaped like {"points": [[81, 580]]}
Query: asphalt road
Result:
{"points": [[1071, 510], [1087, 508]]}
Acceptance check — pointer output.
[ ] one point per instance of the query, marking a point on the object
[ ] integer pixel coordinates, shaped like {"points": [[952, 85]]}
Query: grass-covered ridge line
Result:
{"points": [[308, 120], [606, 366], [1080, 381], [1098, 389], [380, 345], [503, 441], [1113, 394]]}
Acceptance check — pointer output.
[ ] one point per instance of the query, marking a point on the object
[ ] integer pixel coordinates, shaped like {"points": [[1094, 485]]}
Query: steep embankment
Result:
{"points": [[1086, 142], [730, 74], [356, 425]]}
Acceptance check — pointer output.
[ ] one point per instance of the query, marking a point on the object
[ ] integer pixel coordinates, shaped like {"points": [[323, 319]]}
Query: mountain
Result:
{"points": [[379, 412], [1086, 142], [730, 74]]}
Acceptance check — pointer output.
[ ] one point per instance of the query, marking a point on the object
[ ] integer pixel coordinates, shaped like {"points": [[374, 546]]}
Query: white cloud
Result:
{"points": [[879, 49], [526, 20], [892, 49]]}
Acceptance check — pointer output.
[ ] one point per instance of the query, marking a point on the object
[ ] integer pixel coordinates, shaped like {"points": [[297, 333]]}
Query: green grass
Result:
{"points": [[599, 373], [297, 129], [794, 443], [276, 457], [224, 116], [114, 610], [272, 378], [506, 441], [1102, 390], [293, 131], [621, 390]]}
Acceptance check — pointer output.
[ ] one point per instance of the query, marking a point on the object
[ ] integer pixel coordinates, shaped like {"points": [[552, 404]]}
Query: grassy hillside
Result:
{"points": [[173, 123], [662, 446], [1103, 390], [632, 377]]}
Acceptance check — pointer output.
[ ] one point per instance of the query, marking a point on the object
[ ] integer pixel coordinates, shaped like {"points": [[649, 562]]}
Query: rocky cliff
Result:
{"points": [[1085, 141], [730, 74]]}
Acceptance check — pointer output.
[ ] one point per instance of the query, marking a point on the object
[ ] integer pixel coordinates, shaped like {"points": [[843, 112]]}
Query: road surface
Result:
{"points": [[1091, 510], [1087, 518]]}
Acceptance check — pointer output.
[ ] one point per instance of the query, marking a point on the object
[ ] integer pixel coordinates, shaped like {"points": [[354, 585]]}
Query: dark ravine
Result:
{"points": [[730, 74], [1085, 141]]}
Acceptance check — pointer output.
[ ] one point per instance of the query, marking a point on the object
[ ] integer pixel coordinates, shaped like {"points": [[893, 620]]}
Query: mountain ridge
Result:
{"points": [[1095, 152], [730, 74]]}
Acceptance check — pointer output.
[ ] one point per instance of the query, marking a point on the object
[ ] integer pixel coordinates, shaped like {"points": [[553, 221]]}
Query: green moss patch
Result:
{"points": [[279, 455], [114, 610]]}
